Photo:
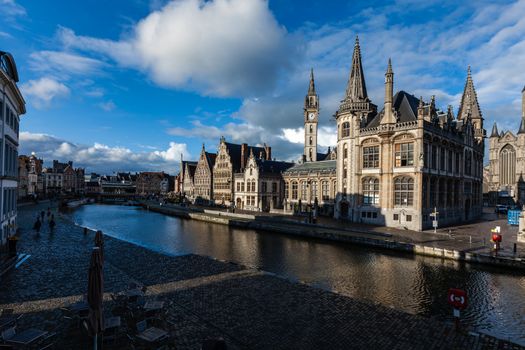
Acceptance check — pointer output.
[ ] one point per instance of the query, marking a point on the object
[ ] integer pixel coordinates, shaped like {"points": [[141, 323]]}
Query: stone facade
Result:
{"points": [[12, 106], [23, 176], [203, 177], [506, 168], [260, 187], [309, 184], [151, 182], [396, 166], [231, 158]]}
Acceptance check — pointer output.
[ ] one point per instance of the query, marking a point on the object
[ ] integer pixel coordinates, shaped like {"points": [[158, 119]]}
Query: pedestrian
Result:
{"points": [[37, 225], [42, 213], [52, 223], [48, 212]]}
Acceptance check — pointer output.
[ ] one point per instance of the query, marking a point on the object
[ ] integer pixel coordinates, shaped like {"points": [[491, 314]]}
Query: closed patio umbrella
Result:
{"points": [[95, 294], [99, 242]]}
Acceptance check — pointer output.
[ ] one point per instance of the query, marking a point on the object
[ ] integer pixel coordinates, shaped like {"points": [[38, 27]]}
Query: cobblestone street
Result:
{"points": [[249, 308]]}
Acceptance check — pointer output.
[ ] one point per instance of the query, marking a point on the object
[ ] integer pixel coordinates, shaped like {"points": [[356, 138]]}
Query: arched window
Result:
{"points": [[345, 151], [253, 185], [311, 128], [404, 191], [370, 191], [507, 166], [311, 140], [294, 190], [325, 190], [345, 132], [286, 190], [313, 190]]}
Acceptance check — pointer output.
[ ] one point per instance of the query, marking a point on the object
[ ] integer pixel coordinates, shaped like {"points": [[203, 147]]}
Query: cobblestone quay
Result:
{"points": [[250, 309]]}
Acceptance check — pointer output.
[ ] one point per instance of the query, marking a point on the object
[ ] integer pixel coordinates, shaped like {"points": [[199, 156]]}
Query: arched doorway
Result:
{"points": [[467, 209], [239, 204], [343, 209]]}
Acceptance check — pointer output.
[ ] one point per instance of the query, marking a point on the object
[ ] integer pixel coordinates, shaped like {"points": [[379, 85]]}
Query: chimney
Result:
{"points": [[244, 155], [268, 151]]}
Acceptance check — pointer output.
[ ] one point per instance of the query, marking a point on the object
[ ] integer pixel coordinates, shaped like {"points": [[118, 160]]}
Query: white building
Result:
{"points": [[12, 105]]}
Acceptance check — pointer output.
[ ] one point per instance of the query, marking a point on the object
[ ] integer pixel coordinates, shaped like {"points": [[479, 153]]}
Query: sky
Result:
{"points": [[130, 85]]}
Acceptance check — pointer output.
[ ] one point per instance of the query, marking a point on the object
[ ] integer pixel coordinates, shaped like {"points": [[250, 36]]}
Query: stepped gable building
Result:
{"points": [[204, 176], [152, 182], [232, 158], [186, 177], [506, 168], [188, 183], [314, 180], [260, 186], [395, 166]]}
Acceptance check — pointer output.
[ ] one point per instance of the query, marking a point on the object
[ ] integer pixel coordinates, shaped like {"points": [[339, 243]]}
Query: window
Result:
{"points": [[313, 190], [345, 151], [409, 218], [468, 163], [345, 132], [304, 189], [242, 186], [311, 128], [371, 157], [449, 161], [396, 217], [370, 191], [253, 186], [325, 188], [404, 154], [425, 155], [311, 140], [238, 186], [264, 187], [274, 187], [294, 190], [441, 158], [286, 190], [434, 156], [404, 191]]}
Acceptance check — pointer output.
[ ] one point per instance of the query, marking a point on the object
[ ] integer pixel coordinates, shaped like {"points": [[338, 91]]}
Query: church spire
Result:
{"points": [[469, 106], [494, 131], [311, 87], [356, 87]]}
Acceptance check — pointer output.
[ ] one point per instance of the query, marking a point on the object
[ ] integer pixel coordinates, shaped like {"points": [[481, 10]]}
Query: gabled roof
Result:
{"points": [[405, 106], [234, 150], [210, 157]]}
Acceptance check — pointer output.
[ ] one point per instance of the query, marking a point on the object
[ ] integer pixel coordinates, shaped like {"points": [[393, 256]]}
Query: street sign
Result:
{"points": [[457, 298], [434, 223]]}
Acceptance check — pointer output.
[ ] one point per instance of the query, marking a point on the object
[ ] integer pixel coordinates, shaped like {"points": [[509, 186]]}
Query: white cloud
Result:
{"points": [[9, 8], [64, 63], [100, 157], [107, 106], [219, 48], [42, 91]]}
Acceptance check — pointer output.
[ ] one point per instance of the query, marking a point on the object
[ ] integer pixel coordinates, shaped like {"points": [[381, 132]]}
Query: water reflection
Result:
{"points": [[411, 283]]}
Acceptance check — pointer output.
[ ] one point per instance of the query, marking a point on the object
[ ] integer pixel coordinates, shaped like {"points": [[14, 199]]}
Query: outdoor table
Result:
{"points": [[7, 321], [153, 334], [27, 337], [112, 322]]}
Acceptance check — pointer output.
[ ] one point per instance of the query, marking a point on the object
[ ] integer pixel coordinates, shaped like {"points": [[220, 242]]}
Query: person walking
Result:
{"points": [[42, 213], [52, 223], [48, 212], [37, 225]]}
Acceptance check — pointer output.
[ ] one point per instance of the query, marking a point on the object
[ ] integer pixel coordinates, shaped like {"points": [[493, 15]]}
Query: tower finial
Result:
{"points": [[389, 68]]}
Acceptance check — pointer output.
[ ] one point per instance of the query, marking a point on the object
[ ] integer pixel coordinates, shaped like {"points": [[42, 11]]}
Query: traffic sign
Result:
{"points": [[457, 298]]}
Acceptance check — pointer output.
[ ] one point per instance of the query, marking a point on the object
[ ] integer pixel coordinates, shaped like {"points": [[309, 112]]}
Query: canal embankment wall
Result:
{"points": [[348, 235]]}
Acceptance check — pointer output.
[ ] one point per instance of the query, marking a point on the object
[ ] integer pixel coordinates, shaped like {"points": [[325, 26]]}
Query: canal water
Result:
{"points": [[415, 284]]}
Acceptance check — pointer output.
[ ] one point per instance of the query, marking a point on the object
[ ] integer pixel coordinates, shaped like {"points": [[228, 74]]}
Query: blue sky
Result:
{"points": [[132, 84]]}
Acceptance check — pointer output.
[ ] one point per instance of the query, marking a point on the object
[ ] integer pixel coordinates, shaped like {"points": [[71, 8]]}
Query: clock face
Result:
{"points": [[311, 116]]}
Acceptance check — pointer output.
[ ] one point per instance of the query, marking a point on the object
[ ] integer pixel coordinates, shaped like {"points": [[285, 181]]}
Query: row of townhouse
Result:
{"points": [[125, 183]]}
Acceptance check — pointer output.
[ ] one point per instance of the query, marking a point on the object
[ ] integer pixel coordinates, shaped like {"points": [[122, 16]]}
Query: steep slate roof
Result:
{"points": [[321, 166], [494, 131], [235, 154], [210, 157], [272, 166], [191, 168], [404, 104], [469, 101]]}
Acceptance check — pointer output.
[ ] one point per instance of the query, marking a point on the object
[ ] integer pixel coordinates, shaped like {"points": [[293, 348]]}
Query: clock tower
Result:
{"points": [[311, 117]]}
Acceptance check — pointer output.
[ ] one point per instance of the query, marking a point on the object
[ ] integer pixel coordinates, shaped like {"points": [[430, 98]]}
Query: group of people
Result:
{"points": [[40, 219]]}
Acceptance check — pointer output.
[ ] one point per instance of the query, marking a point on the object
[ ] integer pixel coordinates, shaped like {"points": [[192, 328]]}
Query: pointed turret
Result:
{"points": [[356, 87], [388, 116], [494, 132], [469, 101], [523, 103], [311, 88]]}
